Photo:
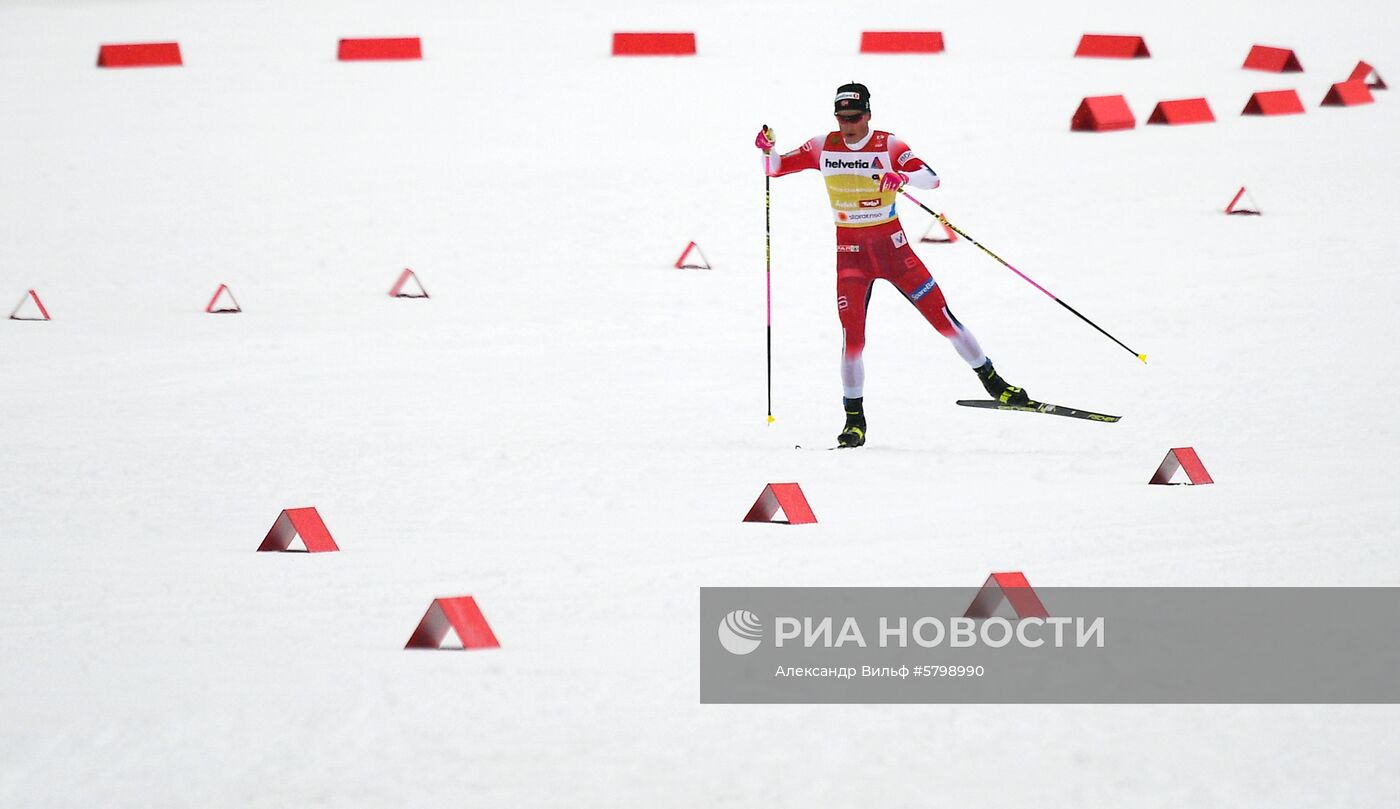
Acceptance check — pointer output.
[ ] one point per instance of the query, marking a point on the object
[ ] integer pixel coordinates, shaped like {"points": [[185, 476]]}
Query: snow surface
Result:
{"points": [[570, 430]]}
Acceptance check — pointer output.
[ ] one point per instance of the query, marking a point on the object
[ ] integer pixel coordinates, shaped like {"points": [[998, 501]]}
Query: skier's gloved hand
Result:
{"points": [[765, 140], [893, 180]]}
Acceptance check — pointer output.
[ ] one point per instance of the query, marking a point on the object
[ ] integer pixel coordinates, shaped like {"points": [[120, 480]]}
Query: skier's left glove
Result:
{"points": [[765, 140], [893, 180]]}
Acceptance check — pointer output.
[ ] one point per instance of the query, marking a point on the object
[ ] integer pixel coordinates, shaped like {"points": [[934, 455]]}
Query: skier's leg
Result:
{"points": [[853, 285], [852, 298], [914, 280], [922, 291]]}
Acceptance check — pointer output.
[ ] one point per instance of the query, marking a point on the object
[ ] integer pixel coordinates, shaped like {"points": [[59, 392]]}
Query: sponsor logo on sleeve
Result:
{"points": [[906, 157]]}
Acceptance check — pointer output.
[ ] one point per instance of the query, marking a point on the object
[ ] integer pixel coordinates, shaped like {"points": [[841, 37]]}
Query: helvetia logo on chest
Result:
{"points": [[838, 163]]}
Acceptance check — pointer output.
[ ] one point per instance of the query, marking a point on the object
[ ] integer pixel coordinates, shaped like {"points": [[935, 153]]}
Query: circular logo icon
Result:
{"points": [[740, 632]]}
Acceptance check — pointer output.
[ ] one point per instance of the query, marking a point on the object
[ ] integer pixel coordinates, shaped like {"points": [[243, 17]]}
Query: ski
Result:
{"points": [[1040, 407], [838, 446]]}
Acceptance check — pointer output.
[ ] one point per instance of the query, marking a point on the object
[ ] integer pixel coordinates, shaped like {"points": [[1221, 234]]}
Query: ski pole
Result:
{"points": [[768, 262], [1024, 277]]}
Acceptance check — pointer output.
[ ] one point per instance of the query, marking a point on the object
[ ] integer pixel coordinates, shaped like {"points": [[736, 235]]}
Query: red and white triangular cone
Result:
{"points": [[299, 527], [1364, 72], [30, 308], [1181, 458], [1243, 203], [408, 286], [682, 264], [459, 616], [1010, 588], [223, 302], [939, 233]]}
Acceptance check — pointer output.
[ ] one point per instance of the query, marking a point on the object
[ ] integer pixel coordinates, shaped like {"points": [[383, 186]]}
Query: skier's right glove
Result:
{"points": [[893, 180], [765, 140]]}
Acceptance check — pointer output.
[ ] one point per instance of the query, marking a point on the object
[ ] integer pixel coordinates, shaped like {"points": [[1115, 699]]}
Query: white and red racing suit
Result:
{"points": [[870, 243]]}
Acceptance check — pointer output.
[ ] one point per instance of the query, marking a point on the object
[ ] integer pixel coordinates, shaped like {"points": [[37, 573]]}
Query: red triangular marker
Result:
{"points": [[1249, 207], [1182, 111], [1348, 94], [939, 233], [1102, 114], [1011, 587], [653, 43], [1273, 60], [680, 262], [1182, 458], [460, 615], [901, 41], [299, 522], [379, 48], [1274, 102], [216, 306], [140, 54], [1368, 74], [21, 310], [408, 286], [1115, 46], [785, 496]]}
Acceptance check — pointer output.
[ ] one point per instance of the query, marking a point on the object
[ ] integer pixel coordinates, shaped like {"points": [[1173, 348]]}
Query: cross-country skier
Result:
{"points": [[864, 169]]}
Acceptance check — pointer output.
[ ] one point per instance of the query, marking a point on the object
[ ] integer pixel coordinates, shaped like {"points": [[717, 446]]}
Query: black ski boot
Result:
{"points": [[853, 435], [997, 387]]}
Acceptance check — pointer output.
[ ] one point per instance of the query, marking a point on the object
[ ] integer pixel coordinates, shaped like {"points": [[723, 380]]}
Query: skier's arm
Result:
{"points": [[919, 173], [800, 159], [924, 178]]}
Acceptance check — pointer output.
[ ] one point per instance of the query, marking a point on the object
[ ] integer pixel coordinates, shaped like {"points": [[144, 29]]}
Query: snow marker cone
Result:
{"points": [[218, 304], [1012, 587], [938, 233], [408, 286], [30, 308], [1243, 203], [1181, 458], [459, 615], [681, 262], [299, 523], [785, 497], [1348, 94], [1368, 74]]}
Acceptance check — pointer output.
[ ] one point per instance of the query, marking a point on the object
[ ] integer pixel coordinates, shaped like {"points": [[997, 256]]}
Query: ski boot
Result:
{"points": [[853, 435], [997, 387]]}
